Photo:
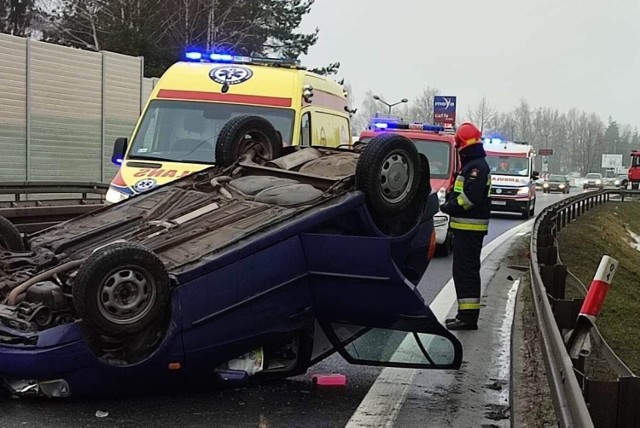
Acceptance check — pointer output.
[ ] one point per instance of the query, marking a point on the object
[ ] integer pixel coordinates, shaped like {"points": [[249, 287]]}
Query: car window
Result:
{"points": [[391, 347], [593, 175]]}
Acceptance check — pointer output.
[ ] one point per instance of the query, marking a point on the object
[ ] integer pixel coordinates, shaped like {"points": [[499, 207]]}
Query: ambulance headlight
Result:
{"points": [[113, 196], [523, 191]]}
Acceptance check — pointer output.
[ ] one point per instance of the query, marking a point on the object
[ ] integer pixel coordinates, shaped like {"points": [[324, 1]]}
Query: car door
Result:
{"points": [[368, 311]]}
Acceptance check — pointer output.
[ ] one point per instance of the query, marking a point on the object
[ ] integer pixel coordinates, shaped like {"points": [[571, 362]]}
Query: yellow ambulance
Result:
{"points": [[192, 102]]}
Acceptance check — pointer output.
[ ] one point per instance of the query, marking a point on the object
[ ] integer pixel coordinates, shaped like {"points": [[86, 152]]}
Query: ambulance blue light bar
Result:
{"points": [[193, 56], [198, 56], [379, 125], [493, 140]]}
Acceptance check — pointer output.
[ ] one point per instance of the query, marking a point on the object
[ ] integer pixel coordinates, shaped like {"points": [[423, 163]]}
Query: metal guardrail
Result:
{"points": [[36, 205], [578, 400]]}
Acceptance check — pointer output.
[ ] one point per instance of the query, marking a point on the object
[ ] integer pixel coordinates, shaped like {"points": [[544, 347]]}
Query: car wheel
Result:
{"points": [[10, 238], [389, 172], [527, 213], [446, 248], [122, 289], [253, 136]]}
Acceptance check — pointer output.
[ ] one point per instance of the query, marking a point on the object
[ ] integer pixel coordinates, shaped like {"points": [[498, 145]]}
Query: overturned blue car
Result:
{"points": [[254, 269]]}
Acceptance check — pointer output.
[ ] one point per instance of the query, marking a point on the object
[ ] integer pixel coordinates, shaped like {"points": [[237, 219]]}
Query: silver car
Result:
{"points": [[593, 180]]}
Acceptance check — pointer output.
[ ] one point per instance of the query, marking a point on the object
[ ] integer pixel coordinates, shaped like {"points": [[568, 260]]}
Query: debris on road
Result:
{"points": [[332, 379]]}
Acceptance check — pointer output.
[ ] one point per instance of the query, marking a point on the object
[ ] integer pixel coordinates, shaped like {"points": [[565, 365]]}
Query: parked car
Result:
{"points": [[556, 183], [255, 269], [593, 180]]}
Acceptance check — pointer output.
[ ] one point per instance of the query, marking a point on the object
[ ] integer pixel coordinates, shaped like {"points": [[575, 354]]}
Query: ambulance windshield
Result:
{"points": [[185, 131], [509, 165]]}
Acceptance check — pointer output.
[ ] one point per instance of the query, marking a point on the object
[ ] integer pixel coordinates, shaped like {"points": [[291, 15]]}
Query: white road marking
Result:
{"points": [[382, 404]]}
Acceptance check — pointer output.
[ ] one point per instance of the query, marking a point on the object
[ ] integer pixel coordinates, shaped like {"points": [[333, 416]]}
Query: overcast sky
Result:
{"points": [[556, 53]]}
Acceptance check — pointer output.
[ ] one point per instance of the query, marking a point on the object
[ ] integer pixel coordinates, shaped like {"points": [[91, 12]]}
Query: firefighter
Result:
{"points": [[469, 208]]}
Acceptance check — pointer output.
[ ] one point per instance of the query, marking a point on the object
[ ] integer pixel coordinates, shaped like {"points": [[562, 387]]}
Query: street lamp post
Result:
{"points": [[377, 98]]}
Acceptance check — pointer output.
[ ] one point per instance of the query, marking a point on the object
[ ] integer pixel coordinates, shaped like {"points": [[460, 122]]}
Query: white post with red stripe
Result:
{"points": [[598, 289], [578, 343]]}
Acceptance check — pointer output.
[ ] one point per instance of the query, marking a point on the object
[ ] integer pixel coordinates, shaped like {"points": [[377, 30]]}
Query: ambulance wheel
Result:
{"points": [[122, 289], [388, 172], [251, 136], [10, 238]]}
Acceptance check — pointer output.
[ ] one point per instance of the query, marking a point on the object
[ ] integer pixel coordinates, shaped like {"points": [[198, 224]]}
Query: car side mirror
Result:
{"points": [[119, 150], [535, 175]]}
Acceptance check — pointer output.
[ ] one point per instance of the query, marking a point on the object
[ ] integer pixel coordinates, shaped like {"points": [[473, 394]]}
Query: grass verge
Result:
{"points": [[607, 229]]}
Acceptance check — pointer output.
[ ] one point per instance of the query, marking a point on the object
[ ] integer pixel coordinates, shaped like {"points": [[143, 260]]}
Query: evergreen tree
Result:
{"points": [[16, 17], [161, 30]]}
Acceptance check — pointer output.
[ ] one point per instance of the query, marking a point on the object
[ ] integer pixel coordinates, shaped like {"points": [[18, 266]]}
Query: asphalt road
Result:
{"points": [[294, 402]]}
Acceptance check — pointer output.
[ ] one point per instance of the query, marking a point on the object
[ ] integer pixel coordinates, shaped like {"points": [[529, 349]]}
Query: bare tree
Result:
{"points": [[483, 114], [421, 108], [368, 108], [85, 14]]}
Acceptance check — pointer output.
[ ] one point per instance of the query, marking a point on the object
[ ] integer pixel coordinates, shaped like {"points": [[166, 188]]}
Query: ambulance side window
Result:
{"points": [[305, 129]]}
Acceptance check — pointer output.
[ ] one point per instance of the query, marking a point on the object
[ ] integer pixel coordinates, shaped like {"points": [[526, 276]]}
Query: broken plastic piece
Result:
{"points": [[252, 362], [101, 414], [332, 379]]}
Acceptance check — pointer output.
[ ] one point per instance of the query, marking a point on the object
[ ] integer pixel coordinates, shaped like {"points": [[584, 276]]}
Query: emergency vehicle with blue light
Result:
{"points": [[438, 145], [178, 129], [512, 176]]}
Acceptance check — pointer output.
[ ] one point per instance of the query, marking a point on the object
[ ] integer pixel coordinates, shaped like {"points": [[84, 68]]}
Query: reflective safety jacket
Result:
{"points": [[469, 205]]}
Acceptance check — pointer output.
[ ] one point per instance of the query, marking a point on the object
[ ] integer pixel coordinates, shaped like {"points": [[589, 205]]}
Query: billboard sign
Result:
{"points": [[611, 161], [444, 110]]}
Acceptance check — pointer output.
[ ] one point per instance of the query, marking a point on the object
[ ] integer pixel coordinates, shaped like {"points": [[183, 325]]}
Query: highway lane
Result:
{"points": [[290, 403]]}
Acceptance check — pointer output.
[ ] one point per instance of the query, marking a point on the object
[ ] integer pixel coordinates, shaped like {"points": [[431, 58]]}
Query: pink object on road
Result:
{"points": [[333, 379]]}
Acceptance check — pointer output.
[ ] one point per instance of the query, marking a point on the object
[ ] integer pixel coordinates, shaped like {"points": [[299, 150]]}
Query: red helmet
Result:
{"points": [[466, 135]]}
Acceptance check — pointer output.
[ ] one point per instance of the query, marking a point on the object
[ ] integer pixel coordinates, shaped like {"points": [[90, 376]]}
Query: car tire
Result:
{"points": [[446, 248], [232, 144], [527, 213], [10, 238], [389, 172], [117, 272]]}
